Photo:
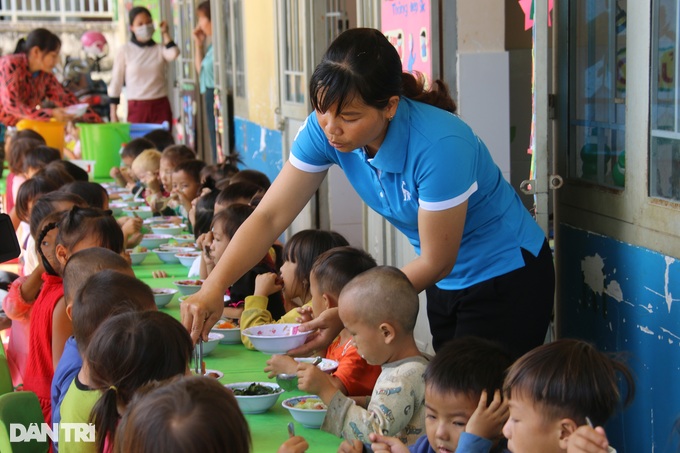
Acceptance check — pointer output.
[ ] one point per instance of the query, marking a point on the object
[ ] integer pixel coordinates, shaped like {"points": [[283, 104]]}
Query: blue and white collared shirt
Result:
{"points": [[430, 159]]}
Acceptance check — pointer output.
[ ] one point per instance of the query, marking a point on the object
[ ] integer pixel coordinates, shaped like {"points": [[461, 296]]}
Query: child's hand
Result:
{"points": [[279, 364], [587, 440], [115, 173], [152, 182], [351, 446], [131, 225], [296, 444], [159, 274], [384, 443], [314, 381], [267, 284], [487, 422], [306, 314]]}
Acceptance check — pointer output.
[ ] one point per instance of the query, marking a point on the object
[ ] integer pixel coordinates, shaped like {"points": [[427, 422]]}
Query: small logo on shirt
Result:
{"points": [[406, 193]]}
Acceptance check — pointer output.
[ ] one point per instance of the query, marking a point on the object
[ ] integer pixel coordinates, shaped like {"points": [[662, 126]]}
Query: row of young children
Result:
{"points": [[550, 394], [396, 403]]}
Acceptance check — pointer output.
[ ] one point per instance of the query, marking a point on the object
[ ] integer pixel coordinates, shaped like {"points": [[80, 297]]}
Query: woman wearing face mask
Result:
{"points": [[28, 89], [141, 65]]}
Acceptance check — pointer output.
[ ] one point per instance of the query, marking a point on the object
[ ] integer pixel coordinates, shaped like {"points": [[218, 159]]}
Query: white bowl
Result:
{"points": [[167, 254], [137, 257], [77, 110], [275, 338], [187, 258], [184, 239], [153, 241], [326, 365], [255, 404], [309, 418], [231, 335], [117, 208], [163, 296], [168, 228], [210, 345], [143, 212], [125, 196], [188, 287], [215, 374]]}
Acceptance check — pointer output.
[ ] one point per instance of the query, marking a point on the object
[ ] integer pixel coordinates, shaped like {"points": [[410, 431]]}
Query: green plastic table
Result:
{"points": [[268, 430]]}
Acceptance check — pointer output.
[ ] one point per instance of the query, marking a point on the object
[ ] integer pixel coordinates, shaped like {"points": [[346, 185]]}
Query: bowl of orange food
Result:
{"points": [[230, 329]]}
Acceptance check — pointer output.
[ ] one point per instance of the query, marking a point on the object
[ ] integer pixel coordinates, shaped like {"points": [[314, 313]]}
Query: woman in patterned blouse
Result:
{"points": [[28, 89]]}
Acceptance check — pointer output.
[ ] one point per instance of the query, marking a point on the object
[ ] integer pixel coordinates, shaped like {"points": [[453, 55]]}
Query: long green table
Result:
{"points": [[239, 364]]}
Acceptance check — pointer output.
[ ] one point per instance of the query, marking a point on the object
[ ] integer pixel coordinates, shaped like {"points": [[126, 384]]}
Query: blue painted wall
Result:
{"points": [[627, 298], [260, 148]]}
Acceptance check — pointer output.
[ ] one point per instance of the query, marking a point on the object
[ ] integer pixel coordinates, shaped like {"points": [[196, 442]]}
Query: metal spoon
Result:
{"points": [[291, 430]]}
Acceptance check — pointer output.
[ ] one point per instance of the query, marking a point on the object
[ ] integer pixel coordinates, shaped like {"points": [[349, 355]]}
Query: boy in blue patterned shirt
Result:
{"points": [[379, 308]]}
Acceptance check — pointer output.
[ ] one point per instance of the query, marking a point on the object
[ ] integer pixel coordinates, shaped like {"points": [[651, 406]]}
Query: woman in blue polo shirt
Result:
{"points": [[484, 262]]}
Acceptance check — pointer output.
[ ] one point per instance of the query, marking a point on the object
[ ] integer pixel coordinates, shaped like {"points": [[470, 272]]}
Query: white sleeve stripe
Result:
{"points": [[304, 166], [450, 203]]}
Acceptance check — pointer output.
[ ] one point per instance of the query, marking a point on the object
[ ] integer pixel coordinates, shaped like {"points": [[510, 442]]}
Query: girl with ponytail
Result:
{"points": [[126, 352]]}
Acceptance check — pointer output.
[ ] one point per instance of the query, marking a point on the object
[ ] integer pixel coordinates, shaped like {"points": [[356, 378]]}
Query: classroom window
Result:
{"points": [[294, 52], [664, 140], [597, 87]]}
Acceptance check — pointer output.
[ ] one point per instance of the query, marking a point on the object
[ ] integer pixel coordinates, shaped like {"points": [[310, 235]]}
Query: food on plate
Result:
{"points": [[139, 249], [255, 389], [310, 403], [226, 325], [212, 374]]}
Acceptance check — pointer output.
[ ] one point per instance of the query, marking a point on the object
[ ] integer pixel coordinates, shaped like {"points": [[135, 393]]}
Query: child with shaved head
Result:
{"points": [[379, 309]]}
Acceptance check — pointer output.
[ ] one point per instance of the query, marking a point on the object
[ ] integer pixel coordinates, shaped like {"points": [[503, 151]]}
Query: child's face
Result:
{"points": [[527, 429], [166, 169], [127, 161], [446, 415], [184, 184], [291, 287], [144, 175], [319, 303], [366, 338], [48, 245], [219, 243]]}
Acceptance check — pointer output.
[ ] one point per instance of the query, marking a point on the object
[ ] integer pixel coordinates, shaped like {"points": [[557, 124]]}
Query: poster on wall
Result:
{"points": [[407, 25]]}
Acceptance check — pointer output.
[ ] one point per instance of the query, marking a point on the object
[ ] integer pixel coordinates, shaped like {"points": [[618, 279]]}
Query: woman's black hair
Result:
{"points": [[40, 156], [134, 12], [41, 38], [204, 7], [128, 351], [205, 208], [94, 194], [29, 192], [362, 62]]}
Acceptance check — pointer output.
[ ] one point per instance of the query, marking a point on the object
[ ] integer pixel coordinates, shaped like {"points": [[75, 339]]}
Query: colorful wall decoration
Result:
{"points": [[407, 24]]}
